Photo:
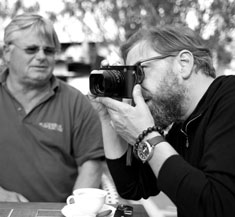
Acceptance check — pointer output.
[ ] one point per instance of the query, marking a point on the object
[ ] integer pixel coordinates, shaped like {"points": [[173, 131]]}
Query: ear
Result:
{"points": [[186, 61], [6, 53]]}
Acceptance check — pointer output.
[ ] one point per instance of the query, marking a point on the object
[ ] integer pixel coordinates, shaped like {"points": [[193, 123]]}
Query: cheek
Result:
{"points": [[150, 83], [51, 62], [17, 62], [21, 60]]}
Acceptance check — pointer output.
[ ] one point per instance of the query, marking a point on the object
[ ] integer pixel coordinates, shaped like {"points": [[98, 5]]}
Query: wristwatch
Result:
{"points": [[145, 149]]}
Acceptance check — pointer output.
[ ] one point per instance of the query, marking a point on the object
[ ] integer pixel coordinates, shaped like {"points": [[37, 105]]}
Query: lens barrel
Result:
{"points": [[107, 83], [114, 81]]}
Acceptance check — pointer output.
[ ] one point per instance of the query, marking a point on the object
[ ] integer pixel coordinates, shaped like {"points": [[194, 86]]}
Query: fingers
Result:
{"points": [[137, 95], [110, 103], [128, 101], [21, 198], [116, 105], [113, 62], [104, 62], [90, 96]]}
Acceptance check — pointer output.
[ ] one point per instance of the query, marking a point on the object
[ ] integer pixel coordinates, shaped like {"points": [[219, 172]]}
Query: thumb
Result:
{"points": [[137, 95]]}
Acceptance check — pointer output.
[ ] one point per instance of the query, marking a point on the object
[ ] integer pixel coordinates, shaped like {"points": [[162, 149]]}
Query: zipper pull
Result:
{"points": [[187, 143]]}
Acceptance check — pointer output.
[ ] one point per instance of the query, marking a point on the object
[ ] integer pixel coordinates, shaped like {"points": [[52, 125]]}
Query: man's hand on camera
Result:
{"points": [[99, 107], [129, 121]]}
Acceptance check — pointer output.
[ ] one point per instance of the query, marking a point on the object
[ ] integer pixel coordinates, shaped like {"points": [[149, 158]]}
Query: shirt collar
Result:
{"points": [[205, 102], [3, 76]]}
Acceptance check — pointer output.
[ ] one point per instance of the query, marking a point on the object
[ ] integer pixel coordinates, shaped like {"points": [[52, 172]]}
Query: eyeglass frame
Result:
{"points": [[52, 50], [140, 70]]}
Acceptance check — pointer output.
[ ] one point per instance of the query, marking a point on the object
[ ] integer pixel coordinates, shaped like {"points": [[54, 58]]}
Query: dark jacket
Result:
{"points": [[201, 180]]}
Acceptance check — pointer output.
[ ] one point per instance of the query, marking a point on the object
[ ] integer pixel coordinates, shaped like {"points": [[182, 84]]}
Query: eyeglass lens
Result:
{"points": [[140, 70], [35, 49], [140, 74]]}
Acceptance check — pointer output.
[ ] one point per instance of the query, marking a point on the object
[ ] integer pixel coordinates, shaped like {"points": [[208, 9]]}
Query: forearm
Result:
{"points": [[114, 145], [135, 181], [10, 196], [89, 175], [161, 153], [196, 193]]}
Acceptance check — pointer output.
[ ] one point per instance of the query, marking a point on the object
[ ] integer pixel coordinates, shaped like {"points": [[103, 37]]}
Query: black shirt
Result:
{"points": [[201, 180]]}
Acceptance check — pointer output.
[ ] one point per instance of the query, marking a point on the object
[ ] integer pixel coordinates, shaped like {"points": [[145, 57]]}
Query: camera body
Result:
{"points": [[114, 81], [123, 211]]}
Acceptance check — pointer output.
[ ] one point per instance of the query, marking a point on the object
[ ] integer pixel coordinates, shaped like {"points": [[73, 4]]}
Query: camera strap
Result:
{"points": [[129, 155]]}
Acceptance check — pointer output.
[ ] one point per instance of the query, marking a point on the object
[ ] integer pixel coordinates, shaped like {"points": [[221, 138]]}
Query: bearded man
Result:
{"points": [[193, 163]]}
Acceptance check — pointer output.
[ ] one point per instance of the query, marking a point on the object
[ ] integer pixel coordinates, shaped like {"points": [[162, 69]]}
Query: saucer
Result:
{"points": [[69, 211], [107, 207]]}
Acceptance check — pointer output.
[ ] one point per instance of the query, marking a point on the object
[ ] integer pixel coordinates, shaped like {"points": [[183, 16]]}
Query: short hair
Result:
{"points": [[170, 40], [34, 21]]}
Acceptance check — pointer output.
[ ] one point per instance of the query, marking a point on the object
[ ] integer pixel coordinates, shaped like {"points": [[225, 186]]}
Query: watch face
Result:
{"points": [[144, 151]]}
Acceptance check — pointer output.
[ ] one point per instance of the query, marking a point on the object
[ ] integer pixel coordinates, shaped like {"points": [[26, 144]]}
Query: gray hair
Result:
{"points": [[170, 40], [31, 21]]}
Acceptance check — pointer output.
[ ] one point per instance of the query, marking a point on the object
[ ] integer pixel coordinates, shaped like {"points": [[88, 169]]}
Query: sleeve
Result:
{"points": [[207, 187], [135, 181], [87, 134]]}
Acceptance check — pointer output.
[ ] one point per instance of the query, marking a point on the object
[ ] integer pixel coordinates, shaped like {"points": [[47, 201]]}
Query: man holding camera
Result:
{"points": [[180, 127]]}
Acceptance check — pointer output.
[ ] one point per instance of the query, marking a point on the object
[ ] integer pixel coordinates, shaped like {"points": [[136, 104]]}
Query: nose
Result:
{"points": [[40, 54]]}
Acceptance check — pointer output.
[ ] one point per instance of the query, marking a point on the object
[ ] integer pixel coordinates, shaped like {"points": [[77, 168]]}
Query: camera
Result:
{"points": [[115, 81], [123, 211]]}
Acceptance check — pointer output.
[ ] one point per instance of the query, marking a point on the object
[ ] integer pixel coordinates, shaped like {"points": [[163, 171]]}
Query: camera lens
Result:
{"points": [[99, 86], [108, 83]]}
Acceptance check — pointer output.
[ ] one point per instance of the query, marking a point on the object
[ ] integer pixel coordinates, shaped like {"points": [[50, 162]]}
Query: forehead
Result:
{"points": [[33, 37], [140, 51]]}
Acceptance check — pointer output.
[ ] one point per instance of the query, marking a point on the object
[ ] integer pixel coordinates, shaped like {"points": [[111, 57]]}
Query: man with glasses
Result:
{"points": [[178, 136], [50, 137]]}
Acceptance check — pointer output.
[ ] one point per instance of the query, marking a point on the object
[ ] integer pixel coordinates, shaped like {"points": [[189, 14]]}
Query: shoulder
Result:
{"points": [[221, 97], [68, 90], [225, 81], [72, 97], [222, 87]]}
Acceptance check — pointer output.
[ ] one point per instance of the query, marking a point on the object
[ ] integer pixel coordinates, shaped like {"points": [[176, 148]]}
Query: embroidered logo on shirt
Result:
{"points": [[52, 126]]}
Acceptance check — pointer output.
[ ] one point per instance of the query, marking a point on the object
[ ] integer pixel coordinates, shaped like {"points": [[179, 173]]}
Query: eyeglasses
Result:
{"points": [[32, 50], [140, 68], [155, 58]]}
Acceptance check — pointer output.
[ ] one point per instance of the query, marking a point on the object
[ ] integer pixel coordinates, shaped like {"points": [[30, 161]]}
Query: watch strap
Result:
{"points": [[156, 140], [153, 142]]}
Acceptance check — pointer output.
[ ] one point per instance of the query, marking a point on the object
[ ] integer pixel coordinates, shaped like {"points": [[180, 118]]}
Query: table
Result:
{"points": [[11, 209]]}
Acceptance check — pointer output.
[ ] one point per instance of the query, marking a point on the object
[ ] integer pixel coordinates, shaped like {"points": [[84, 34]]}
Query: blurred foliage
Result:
{"points": [[218, 16]]}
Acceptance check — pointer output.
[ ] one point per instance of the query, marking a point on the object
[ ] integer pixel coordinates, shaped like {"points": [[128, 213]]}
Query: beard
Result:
{"points": [[167, 104]]}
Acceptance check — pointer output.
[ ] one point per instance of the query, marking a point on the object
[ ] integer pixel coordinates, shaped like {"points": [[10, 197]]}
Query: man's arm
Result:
{"points": [[10, 196], [89, 174], [114, 145]]}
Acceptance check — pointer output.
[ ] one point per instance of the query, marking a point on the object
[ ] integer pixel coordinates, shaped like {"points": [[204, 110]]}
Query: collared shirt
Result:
{"points": [[40, 151]]}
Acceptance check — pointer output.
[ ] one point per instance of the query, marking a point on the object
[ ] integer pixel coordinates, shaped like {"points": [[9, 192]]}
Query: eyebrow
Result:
{"points": [[35, 45]]}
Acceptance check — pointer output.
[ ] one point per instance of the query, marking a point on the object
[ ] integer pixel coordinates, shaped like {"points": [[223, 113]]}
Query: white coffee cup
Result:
{"points": [[87, 200]]}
